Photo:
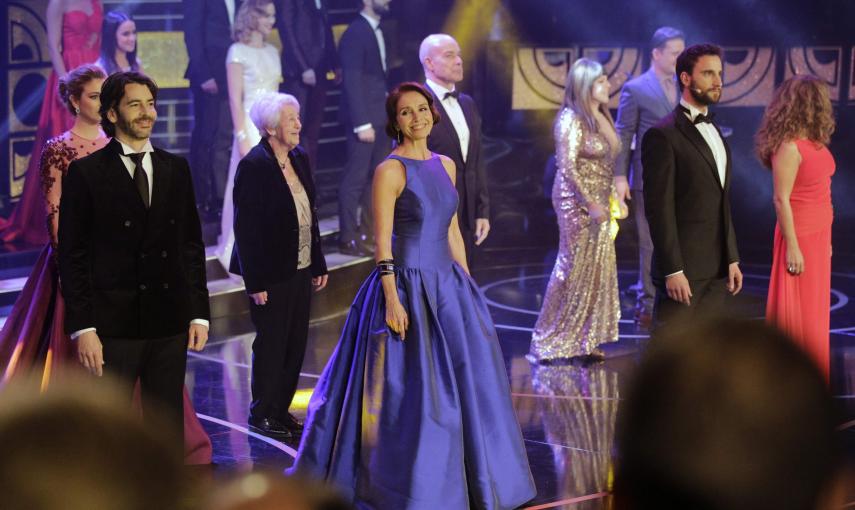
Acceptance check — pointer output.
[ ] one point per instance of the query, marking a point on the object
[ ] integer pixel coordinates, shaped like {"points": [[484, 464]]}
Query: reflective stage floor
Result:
{"points": [[567, 413]]}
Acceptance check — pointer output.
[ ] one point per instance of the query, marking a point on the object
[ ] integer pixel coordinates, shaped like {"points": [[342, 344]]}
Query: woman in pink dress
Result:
{"points": [[793, 141], [73, 30], [33, 339]]}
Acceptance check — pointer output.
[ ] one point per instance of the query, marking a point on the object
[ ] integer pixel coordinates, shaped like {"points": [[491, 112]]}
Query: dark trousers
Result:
{"points": [[355, 187], [646, 290], [159, 365], [312, 101], [709, 298], [210, 146], [282, 328]]}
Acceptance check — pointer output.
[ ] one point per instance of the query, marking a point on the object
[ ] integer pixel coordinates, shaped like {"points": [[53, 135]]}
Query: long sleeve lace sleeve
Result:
{"points": [[52, 166], [569, 135]]}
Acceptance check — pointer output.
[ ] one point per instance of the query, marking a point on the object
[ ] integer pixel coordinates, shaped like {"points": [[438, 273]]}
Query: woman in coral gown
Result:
{"points": [[73, 29], [33, 338], [793, 141]]}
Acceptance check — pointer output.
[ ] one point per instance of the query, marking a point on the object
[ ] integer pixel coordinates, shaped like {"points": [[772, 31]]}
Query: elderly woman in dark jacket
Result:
{"points": [[278, 252]]}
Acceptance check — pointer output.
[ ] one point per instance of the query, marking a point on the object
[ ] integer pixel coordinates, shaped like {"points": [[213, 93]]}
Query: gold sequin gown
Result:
{"points": [[580, 309]]}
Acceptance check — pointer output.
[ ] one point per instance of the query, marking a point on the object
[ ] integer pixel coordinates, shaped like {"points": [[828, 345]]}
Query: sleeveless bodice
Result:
{"points": [[262, 70], [811, 195], [81, 36], [423, 213]]}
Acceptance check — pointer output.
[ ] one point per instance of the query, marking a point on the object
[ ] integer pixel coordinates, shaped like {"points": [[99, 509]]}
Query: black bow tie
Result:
{"points": [[704, 118], [700, 118], [454, 93]]}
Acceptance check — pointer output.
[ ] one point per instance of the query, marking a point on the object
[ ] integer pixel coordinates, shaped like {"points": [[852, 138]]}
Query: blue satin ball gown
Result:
{"points": [[428, 422]]}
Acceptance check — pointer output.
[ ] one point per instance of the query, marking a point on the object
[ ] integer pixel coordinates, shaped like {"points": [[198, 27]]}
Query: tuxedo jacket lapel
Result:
{"points": [[469, 115], [162, 175], [694, 136], [449, 126]]}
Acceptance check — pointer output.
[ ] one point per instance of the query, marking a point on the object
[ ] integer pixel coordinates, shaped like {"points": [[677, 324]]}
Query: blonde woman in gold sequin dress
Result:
{"points": [[581, 310]]}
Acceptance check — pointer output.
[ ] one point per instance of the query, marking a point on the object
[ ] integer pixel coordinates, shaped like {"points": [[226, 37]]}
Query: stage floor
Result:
{"points": [[567, 413]]}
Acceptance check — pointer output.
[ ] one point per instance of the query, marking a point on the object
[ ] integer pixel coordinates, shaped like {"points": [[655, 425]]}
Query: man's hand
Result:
{"points": [[734, 278], [90, 352], [678, 288], [482, 228], [622, 188], [198, 337], [366, 135], [210, 86], [309, 77], [259, 298], [320, 282]]}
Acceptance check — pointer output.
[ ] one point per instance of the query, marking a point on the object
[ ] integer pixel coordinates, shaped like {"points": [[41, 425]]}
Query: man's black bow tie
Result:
{"points": [[454, 93], [704, 118], [709, 117]]}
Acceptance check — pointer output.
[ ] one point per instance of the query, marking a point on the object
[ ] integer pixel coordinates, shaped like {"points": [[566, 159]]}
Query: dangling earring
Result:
{"points": [[76, 110], [400, 137]]}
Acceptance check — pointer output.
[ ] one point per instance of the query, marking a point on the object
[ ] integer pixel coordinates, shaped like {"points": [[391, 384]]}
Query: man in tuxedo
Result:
{"points": [[308, 54], [458, 136], [131, 257], [644, 100], [208, 35], [687, 171], [362, 52]]}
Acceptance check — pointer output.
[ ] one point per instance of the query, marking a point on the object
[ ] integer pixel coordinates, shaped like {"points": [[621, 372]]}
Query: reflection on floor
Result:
{"points": [[567, 413]]}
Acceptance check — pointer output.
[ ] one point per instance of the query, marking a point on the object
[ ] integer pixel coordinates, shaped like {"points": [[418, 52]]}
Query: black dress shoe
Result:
{"points": [[269, 427], [292, 423]]}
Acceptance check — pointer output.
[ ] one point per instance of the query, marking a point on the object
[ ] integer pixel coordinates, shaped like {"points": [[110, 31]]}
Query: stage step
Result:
{"points": [[228, 293]]}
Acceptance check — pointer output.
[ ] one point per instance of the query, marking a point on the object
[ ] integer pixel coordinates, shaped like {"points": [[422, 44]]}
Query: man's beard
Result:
{"points": [[127, 127], [704, 98], [380, 9]]}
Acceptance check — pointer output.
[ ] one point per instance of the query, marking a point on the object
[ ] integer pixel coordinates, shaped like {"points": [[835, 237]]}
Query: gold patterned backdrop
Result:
{"points": [[749, 72]]}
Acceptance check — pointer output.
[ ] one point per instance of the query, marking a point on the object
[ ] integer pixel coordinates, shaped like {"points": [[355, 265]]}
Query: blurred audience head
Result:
{"points": [[80, 90], [800, 108], [725, 415], [79, 446], [273, 491], [118, 34], [254, 16]]}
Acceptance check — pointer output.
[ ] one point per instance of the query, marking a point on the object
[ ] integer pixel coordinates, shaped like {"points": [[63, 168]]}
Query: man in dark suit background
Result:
{"points": [[308, 54], [208, 35], [131, 257], [645, 100], [687, 173], [458, 136], [362, 52]]}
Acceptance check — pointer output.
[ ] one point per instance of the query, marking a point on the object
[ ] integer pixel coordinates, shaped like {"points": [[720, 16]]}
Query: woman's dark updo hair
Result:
{"points": [[392, 105], [71, 85]]}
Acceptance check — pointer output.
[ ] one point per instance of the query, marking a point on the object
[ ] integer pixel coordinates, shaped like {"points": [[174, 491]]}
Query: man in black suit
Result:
{"points": [[131, 257], [207, 35], [362, 52], [308, 54], [687, 172], [458, 136]]}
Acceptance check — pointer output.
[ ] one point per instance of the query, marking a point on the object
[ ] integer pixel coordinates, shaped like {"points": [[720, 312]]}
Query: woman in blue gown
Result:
{"points": [[413, 410]]}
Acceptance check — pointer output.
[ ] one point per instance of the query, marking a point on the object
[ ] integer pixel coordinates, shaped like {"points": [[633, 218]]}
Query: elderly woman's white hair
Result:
{"points": [[266, 110]]}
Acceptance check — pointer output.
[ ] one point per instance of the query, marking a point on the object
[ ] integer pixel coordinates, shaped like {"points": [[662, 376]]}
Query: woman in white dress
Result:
{"points": [[253, 69]]}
